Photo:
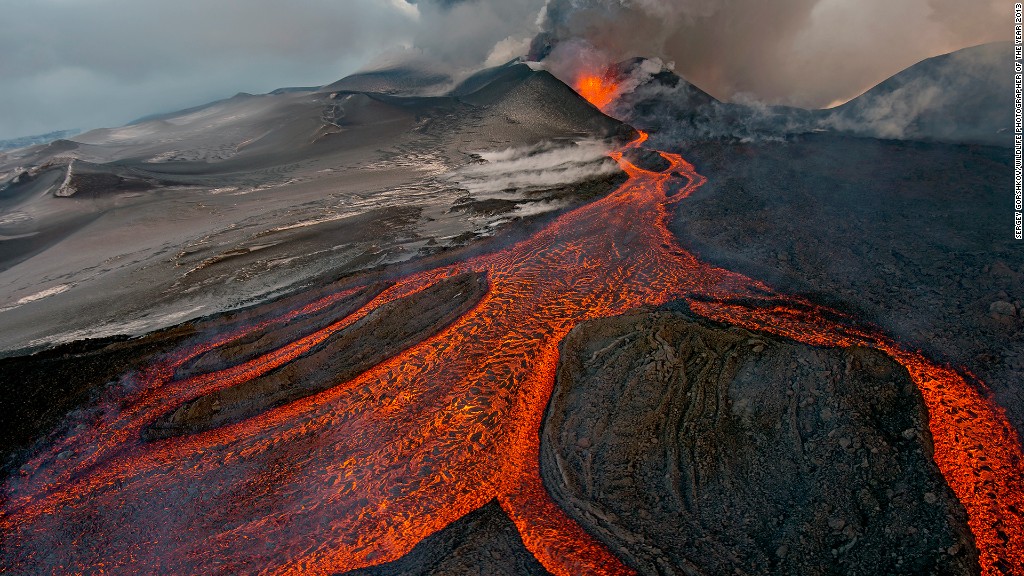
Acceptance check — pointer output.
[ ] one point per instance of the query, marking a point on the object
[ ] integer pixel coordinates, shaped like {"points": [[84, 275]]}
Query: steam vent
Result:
{"points": [[587, 297]]}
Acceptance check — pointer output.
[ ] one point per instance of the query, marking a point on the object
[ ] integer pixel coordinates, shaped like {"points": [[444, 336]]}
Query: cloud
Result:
{"points": [[84, 64], [77, 64], [464, 34]]}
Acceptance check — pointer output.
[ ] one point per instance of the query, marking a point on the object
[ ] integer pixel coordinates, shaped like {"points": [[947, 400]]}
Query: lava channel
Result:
{"points": [[359, 473]]}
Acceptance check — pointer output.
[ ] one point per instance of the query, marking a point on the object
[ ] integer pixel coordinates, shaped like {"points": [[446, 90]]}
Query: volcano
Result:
{"points": [[364, 329]]}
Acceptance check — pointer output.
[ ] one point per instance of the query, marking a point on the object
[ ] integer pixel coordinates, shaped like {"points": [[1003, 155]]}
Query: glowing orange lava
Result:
{"points": [[598, 90], [360, 473]]}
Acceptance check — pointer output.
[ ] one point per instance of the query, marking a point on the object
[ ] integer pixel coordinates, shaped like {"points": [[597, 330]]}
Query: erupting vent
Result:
{"points": [[598, 90]]}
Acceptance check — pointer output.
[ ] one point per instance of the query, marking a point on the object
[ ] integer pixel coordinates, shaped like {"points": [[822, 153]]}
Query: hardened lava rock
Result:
{"points": [[689, 447], [386, 331], [482, 543]]}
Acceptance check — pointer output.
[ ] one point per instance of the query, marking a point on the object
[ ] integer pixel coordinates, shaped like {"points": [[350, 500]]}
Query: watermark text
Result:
{"points": [[1018, 119]]}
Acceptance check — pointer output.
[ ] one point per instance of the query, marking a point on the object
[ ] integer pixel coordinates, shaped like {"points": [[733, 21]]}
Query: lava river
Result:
{"points": [[359, 473]]}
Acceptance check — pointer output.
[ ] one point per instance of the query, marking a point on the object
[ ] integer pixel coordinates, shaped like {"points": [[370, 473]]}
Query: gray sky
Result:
{"points": [[92, 63]]}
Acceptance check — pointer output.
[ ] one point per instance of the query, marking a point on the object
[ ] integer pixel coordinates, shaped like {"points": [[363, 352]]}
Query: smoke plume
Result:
{"points": [[69, 64], [807, 53]]}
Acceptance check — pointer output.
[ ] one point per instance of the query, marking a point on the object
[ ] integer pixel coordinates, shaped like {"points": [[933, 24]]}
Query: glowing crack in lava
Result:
{"points": [[597, 89], [358, 474]]}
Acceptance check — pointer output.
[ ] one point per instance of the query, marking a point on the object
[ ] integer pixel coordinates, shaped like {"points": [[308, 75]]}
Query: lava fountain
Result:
{"points": [[358, 474], [599, 90]]}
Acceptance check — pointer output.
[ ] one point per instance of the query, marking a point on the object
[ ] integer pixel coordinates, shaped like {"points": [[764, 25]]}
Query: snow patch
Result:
{"points": [[60, 288]]}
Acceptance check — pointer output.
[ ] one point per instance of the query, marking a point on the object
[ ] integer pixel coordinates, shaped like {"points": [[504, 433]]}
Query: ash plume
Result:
{"points": [[806, 53], [108, 62], [747, 70]]}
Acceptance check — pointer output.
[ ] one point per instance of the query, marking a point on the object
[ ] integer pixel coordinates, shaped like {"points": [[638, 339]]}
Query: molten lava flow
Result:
{"points": [[598, 90], [358, 474]]}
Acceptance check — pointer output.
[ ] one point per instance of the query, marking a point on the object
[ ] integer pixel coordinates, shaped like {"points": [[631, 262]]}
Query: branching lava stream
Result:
{"points": [[358, 474]]}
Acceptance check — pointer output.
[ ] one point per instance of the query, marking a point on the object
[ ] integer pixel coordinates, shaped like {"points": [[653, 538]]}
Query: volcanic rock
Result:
{"points": [[1002, 308], [706, 457], [675, 110], [484, 542], [910, 236], [537, 100], [384, 332], [262, 341]]}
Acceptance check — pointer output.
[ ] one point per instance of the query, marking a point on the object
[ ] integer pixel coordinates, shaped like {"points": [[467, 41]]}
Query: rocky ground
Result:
{"points": [[482, 543], [344, 355], [690, 447], [914, 237]]}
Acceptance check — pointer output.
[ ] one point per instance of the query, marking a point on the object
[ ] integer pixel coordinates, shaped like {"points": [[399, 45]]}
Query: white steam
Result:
{"points": [[533, 168]]}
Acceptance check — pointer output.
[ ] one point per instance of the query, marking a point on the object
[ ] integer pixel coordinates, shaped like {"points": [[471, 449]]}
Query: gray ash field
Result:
{"points": [[131, 229]]}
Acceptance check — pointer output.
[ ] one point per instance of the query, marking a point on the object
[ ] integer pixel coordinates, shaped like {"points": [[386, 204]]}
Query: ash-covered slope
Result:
{"points": [[127, 229], [536, 99], [398, 80], [675, 110], [295, 124], [964, 96]]}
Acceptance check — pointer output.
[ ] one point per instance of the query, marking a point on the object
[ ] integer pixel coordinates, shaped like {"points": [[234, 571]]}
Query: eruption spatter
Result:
{"points": [[358, 474]]}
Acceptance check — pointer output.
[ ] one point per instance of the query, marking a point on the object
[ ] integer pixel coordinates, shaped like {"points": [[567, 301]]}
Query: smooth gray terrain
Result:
{"points": [[962, 97], [130, 229]]}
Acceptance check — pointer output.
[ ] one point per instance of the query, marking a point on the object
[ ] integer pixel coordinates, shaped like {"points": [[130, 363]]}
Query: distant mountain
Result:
{"points": [[283, 126], [37, 139], [676, 110], [399, 80], [535, 99], [964, 96]]}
